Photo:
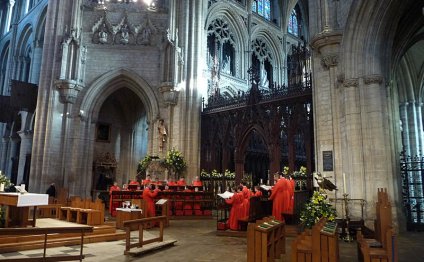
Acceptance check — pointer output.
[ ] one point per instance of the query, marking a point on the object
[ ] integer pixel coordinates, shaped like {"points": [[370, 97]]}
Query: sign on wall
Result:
{"points": [[327, 160]]}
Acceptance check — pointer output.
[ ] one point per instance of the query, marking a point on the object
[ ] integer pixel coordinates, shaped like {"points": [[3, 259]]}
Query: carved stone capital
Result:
{"points": [[330, 60], [327, 38], [68, 90], [170, 95], [373, 79], [352, 82]]}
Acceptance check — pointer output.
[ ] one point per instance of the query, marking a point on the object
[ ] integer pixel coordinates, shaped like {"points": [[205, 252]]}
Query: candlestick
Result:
{"points": [[344, 183]]}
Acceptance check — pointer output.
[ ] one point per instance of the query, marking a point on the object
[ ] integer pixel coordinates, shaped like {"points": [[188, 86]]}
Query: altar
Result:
{"points": [[18, 205]]}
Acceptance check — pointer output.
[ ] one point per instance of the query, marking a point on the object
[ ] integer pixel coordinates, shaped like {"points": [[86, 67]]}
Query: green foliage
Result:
{"points": [[317, 208], [229, 175], [204, 175], [215, 175], [174, 161], [144, 164], [5, 180]]}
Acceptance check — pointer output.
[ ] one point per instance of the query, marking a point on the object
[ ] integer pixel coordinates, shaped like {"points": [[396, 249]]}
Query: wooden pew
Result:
{"points": [[265, 240], [83, 212], [321, 244], [47, 231], [383, 246], [256, 211]]}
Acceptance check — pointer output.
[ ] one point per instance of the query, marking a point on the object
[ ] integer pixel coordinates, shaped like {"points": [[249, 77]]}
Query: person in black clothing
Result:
{"points": [[51, 191]]}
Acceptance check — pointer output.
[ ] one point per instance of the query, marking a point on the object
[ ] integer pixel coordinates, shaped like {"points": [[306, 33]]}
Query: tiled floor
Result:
{"points": [[197, 242]]}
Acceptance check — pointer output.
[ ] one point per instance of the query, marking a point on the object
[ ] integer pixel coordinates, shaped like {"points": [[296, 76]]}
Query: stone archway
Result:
{"points": [[134, 105]]}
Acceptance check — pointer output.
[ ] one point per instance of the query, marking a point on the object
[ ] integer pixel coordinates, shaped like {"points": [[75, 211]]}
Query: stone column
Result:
{"points": [[403, 114], [36, 62], [25, 149], [10, 6]]}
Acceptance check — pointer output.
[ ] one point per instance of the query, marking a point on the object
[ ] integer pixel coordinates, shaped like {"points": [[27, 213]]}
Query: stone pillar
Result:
{"points": [[403, 114], [3, 154], [25, 149], [10, 6], [36, 62]]}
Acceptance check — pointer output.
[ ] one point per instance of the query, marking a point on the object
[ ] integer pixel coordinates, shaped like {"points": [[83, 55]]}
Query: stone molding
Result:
{"points": [[68, 90], [373, 79], [170, 95], [352, 82], [326, 38], [330, 60]]}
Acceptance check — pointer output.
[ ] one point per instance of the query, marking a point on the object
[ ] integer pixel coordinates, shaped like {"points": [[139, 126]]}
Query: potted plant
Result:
{"points": [[4, 181], [174, 161], [317, 208]]}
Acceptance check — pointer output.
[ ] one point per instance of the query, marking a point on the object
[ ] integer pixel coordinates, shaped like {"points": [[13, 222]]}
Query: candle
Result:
{"points": [[344, 183]]}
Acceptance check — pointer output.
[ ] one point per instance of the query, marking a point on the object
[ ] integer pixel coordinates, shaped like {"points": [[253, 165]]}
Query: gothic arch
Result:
{"points": [[40, 25], [272, 43], [224, 11], [109, 82], [25, 40], [245, 135]]}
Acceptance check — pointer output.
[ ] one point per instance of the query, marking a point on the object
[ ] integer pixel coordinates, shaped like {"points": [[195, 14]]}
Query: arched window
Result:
{"points": [[293, 27], [262, 8], [221, 47]]}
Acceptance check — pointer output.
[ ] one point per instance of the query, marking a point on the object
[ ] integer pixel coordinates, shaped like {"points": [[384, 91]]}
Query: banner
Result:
{"points": [[23, 96], [6, 112]]}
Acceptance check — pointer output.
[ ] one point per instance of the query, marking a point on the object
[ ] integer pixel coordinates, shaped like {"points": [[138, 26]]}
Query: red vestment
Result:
{"points": [[146, 181], [113, 206], [197, 183], [246, 194], [258, 193], [278, 201], [171, 183], [237, 210], [181, 183], [148, 197]]}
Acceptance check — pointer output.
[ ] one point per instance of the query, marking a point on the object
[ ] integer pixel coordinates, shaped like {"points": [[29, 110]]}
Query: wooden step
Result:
{"points": [[58, 242]]}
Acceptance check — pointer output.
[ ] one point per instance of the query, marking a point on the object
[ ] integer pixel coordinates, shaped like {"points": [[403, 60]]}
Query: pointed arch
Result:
{"points": [[111, 81]]}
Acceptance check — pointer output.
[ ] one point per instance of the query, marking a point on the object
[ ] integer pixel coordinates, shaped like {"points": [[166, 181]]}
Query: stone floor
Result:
{"points": [[197, 242]]}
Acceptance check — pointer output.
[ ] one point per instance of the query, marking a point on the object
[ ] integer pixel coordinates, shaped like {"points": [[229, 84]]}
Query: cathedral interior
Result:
{"points": [[88, 88]]}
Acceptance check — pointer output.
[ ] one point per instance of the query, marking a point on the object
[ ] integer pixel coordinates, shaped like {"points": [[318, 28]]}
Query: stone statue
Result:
{"points": [[264, 79], [124, 35], [103, 35], [162, 134]]}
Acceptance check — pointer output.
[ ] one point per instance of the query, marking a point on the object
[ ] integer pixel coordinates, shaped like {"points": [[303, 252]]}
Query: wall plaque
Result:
{"points": [[327, 160]]}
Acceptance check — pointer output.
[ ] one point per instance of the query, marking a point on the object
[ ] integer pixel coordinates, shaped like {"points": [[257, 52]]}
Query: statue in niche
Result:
{"points": [[226, 67], [145, 35], [162, 134], [264, 78], [124, 35], [103, 35]]}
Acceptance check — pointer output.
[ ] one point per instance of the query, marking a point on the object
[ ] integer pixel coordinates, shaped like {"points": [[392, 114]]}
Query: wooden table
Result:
{"points": [[18, 204], [124, 214]]}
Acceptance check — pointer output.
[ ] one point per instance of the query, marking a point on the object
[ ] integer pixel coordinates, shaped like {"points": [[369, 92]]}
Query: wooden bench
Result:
{"points": [[141, 244], [256, 211], [265, 240], [83, 212], [47, 231], [320, 244], [382, 247]]}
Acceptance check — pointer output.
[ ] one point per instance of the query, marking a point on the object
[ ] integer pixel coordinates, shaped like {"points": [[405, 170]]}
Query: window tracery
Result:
{"points": [[293, 26], [262, 8]]}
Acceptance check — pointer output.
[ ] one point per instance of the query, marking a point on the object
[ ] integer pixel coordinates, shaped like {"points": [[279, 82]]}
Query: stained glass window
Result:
{"points": [[293, 27], [262, 8]]}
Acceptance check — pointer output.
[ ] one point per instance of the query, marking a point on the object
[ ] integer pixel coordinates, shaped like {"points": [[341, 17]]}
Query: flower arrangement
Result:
{"points": [[286, 170], [174, 161], [302, 173], [215, 175], [229, 175], [317, 208], [144, 164], [204, 175], [5, 180]]}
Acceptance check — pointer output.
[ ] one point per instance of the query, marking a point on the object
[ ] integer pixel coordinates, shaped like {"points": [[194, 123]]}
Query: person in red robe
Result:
{"points": [[278, 201], [148, 196], [197, 182], [148, 180], [181, 182], [237, 209], [171, 182], [258, 192], [246, 195], [113, 206]]}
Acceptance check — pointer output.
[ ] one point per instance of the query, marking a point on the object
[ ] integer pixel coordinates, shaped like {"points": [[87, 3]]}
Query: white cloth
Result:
{"points": [[30, 199]]}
